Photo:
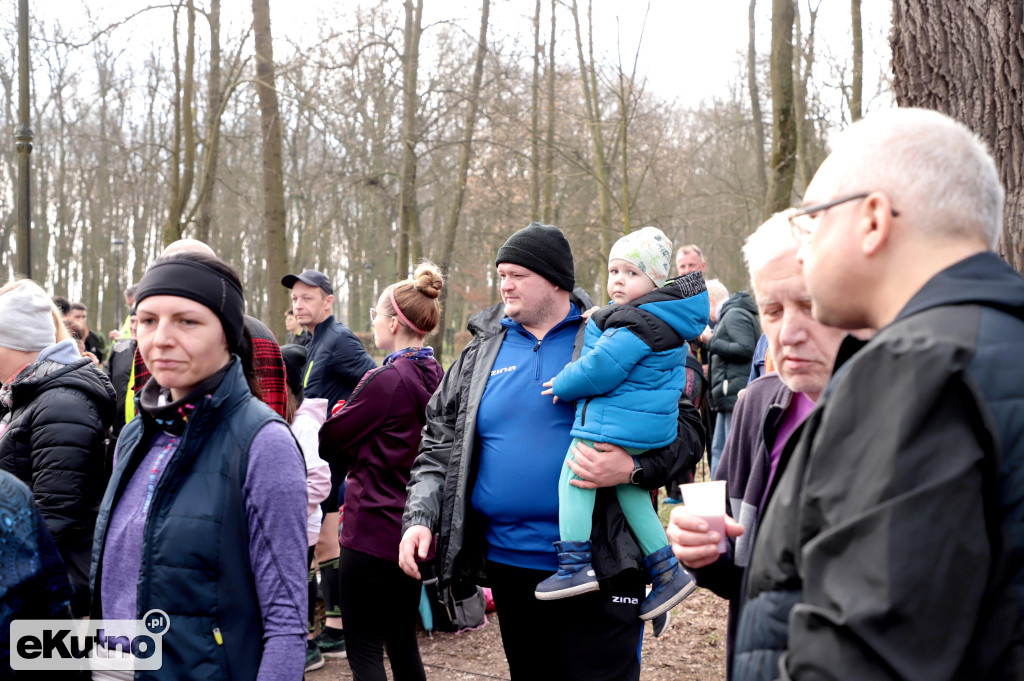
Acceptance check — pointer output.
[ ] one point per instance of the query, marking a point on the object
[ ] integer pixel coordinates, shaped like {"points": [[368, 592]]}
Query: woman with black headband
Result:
{"points": [[204, 518]]}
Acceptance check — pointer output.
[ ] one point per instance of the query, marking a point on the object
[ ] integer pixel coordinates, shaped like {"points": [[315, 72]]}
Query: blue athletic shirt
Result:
{"points": [[521, 441]]}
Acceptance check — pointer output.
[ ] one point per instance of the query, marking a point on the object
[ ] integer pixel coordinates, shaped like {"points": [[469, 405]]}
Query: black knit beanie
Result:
{"points": [[294, 356], [542, 249]]}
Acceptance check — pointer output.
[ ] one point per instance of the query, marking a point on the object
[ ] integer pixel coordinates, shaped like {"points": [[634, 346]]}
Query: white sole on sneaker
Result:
{"points": [[669, 604], [566, 593], [343, 655]]}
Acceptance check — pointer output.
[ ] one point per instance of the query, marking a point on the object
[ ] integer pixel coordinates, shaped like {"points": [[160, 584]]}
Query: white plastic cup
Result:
{"points": [[706, 500]]}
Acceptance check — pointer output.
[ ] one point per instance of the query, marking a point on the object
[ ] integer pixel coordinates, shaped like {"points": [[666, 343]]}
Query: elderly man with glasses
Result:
{"points": [[892, 540]]}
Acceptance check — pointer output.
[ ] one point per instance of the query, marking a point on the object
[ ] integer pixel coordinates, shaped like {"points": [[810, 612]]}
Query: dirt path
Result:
{"points": [[692, 649]]}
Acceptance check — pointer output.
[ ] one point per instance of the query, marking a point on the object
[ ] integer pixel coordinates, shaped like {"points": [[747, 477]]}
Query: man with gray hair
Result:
{"points": [[766, 415], [892, 541]]}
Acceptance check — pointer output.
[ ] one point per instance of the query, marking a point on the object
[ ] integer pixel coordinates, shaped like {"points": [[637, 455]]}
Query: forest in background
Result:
{"points": [[390, 152]]}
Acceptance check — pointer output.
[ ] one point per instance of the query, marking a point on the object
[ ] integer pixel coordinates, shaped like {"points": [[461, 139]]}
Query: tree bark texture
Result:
{"points": [[549, 135], [857, 89], [185, 137], [803, 65], [407, 214], [273, 168], [535, 120], [755, 101], [465, 154], [602, 169], [783, 161], [965, 58], [214, 100]]}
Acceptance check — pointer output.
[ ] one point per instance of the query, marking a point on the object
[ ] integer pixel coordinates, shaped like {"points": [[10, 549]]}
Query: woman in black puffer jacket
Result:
{"points": [[55, 408]]}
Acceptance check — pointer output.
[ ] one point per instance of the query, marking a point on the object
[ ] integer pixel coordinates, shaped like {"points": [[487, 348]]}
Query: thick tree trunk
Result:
{"points": [[407, 213], [535, 120], [803, 64], [213, 112], [273, 169], [857, 89], [549, 136], [466, 153], [755, 103], [185, 136], [783, 162], [602, 169], [965, 58]]}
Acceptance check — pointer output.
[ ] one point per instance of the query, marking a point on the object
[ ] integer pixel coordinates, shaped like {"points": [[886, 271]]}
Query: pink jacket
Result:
{"points": [[310, 415]]}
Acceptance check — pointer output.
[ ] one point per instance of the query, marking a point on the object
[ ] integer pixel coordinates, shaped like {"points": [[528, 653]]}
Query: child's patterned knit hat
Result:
{"points": [[649, 250]]}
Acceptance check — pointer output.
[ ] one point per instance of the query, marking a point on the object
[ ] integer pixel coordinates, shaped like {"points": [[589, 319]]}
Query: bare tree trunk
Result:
{"points": [[755, 103], [535, 120], [858, 62], [549, 150], [803, 62], [624, 96], [783, 162], [185, 137], [965, 58], [273, 173], [407, 215], [213, 112], [464, 157], [588, 80]]}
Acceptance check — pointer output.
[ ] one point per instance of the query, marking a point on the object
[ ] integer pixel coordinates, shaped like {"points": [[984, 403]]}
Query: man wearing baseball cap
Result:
{"points": [[486, 478], [336, 361]]}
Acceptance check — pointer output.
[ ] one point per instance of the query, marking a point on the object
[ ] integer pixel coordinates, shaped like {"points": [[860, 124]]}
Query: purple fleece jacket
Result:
{"points": [[377, 436], [273, 538]]}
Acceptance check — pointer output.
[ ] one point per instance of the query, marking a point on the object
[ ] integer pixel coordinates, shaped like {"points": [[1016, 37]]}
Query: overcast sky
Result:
{"points": [[692, 50]]}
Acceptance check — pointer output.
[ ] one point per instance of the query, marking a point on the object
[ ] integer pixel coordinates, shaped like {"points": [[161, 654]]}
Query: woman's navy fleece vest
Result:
{"points": [[195, 555]]}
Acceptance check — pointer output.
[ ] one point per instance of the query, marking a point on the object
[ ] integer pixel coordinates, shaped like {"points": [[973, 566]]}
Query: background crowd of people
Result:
{"points": [[861, 404]]}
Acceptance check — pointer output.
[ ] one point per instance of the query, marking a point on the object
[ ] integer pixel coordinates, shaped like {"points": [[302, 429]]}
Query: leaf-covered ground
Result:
{"points": [[692, 649]]}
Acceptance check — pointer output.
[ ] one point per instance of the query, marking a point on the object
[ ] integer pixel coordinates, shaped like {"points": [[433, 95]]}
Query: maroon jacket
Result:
{"points": [[376, 436]]}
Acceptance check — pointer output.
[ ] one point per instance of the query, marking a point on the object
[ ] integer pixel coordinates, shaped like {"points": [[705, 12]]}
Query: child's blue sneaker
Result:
{"points": [[575, 573], [671, 583]]}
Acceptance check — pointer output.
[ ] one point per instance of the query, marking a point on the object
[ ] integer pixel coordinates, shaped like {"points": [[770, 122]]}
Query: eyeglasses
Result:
{"points": [[374, 312], [803, 221]]}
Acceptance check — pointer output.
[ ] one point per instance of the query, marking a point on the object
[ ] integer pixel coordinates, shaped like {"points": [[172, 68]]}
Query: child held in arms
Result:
{"points": [[626, 385]]}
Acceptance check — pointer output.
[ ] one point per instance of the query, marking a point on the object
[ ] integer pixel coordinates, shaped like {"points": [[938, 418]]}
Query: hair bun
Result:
{"points": [[428, 280]]}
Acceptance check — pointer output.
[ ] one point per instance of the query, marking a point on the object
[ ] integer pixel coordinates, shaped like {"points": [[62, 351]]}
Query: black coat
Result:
{"points": [[732, 349], [892, 542], [119, 369], [54, 442]]}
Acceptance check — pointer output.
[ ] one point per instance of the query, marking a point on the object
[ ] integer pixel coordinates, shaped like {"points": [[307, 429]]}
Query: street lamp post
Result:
{"points": [[23, 145]]}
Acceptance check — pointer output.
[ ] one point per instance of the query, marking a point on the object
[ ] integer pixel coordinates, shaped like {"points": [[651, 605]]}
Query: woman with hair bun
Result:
{"points": [[376, 435]]}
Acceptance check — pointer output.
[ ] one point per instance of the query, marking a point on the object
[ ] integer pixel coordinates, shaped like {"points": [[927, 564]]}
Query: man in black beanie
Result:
{"points": [[488, 417]]}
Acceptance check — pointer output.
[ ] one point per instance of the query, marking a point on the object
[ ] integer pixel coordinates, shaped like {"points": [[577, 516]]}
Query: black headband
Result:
{"points": [[201, 283]]}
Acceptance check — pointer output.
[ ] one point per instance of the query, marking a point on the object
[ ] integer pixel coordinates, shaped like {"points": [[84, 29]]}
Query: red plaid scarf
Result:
{"points": [[267, 363]]}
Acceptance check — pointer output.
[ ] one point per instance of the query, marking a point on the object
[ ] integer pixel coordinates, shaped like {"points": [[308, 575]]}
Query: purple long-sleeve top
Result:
{"points": [[275, 512]]}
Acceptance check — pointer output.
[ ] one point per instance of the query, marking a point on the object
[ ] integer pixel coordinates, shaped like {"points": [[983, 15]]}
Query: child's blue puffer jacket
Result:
{"points": [[627, 381]]}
